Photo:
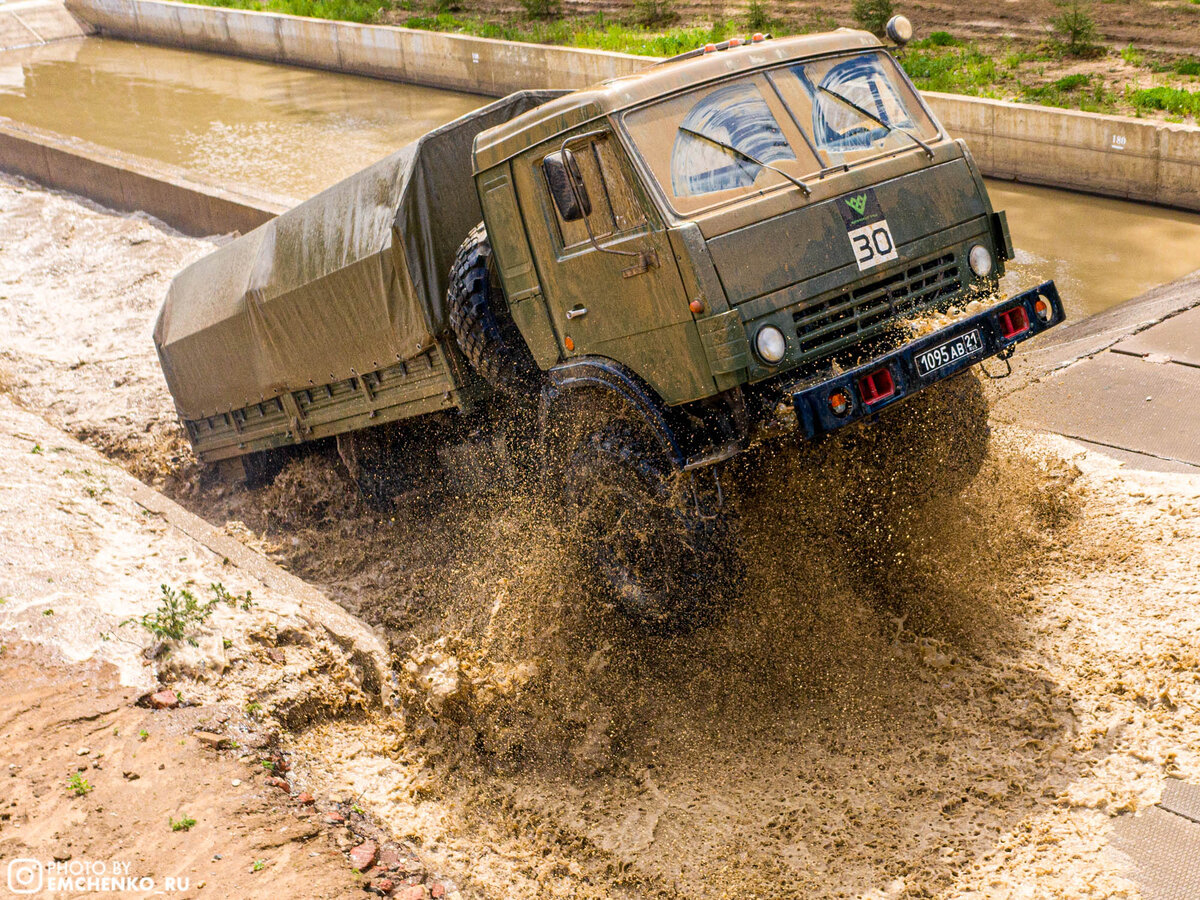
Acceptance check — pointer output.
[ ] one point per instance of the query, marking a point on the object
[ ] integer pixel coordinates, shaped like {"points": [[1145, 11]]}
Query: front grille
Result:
{"points": [[850, 317]]}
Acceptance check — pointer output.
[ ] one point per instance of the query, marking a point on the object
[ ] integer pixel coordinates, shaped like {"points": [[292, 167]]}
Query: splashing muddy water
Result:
{"points": [[967, 713]]}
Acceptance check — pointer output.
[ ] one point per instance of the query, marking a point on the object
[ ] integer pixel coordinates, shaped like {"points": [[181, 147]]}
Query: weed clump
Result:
{"points": [[758, 16], [1168, 99], [180, 612], [652, 13], [1075, 29], [541, 9], [872, 15]]}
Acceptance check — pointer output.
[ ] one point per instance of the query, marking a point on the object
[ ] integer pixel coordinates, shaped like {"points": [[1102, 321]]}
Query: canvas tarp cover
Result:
{"points": [[348, 282]]}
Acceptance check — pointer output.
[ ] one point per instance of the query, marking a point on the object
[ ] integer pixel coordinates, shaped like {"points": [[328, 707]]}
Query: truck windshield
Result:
{"points": [[704, 146]]}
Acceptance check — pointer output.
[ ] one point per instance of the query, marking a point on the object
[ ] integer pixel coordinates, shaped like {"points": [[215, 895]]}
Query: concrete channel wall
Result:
{"points": [[129, 183]]}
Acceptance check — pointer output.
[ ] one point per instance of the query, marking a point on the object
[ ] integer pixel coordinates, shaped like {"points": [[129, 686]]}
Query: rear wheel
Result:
{"points": [[481, 322], [643, 540]]}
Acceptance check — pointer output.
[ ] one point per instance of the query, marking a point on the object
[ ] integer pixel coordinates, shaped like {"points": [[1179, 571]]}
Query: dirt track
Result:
{"points": [[965, 721]]}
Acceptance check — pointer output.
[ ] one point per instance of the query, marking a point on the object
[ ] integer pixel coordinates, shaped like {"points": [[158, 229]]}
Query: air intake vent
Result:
{"points": [[848, 318]]}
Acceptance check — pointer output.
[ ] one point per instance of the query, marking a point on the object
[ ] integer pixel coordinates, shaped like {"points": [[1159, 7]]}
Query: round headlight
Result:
{"points": [[770, 344], [980, 260], [899, 29]]}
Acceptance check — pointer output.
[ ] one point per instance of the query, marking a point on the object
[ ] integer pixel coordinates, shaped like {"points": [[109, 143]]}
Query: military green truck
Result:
{"points": [[629, 286]]}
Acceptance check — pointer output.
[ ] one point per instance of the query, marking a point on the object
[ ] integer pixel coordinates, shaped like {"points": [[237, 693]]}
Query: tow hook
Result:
{"points": [[717, 489], [1005, 355]]}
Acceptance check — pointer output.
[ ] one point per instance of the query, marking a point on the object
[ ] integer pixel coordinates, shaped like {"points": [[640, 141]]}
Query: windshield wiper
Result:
{"points": [[882, 124], [744, 155]]}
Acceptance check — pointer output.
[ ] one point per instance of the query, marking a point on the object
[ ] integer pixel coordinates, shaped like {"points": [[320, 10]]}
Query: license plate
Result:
{"points": [[950, 352]]}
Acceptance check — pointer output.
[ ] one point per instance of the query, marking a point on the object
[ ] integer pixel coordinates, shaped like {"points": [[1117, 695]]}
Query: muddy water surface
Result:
{"points": [[1100, 251], [282, 129]]}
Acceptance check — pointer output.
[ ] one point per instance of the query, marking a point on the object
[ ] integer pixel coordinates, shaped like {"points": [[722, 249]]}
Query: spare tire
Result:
{"points": [[481, 322]]}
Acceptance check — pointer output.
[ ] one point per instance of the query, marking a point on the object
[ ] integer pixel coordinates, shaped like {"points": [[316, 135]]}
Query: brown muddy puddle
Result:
{"points": [[1099, 251], [292, 132], [228, 121]]}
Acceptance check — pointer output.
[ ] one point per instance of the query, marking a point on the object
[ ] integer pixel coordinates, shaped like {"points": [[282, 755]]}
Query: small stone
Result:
{"points": [[335, 818], [412, 892], [237, 782], [276, 656], [83, 751], [389, 859], [276, 782], [130, 776], [437, 890], [211, 739], [164, 700], [362, 856], [306, 799], [383, 886]]}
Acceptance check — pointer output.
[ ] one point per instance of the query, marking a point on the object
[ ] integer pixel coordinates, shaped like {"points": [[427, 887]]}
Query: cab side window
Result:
{"points": [[615, 205]]}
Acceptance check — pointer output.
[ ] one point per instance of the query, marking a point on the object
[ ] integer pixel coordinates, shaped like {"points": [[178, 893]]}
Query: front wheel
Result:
{"points": [[645, 542]]}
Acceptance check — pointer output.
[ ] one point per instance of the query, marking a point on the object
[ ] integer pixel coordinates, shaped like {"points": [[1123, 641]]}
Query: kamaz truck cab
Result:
{"points": [[732, 244]]}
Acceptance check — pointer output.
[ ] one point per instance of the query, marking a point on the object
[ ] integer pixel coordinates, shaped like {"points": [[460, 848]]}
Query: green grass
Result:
{"points": [[78, 785], [342, 10], [593, 33], [183, 823], [1168, 99], [950, 68]]}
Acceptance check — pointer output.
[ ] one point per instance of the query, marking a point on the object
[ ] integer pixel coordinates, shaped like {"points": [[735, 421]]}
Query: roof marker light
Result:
{"points": [[735, 42], [710, 48], [758, 38]]}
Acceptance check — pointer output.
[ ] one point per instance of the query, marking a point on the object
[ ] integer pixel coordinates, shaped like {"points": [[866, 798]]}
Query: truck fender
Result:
{"points": [[566, 381]]}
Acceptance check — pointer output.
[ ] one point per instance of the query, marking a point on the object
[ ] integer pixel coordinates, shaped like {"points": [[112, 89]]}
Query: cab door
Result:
{"points": [[615, 292]]}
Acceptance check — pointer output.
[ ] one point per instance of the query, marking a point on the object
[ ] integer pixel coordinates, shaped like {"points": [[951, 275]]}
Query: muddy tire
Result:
{"points": [[927, 448], [481, 322], [643, 543]]}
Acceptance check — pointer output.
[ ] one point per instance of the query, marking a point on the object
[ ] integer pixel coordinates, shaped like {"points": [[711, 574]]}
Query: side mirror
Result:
{"points": [[900, 30], [566, 185]]}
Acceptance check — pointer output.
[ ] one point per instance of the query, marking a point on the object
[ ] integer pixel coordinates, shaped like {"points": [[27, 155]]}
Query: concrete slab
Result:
{"points": [[1143, 462], [1119, 401], [1163, 851], [1177, 338], [14, 33], [1181, 798]]}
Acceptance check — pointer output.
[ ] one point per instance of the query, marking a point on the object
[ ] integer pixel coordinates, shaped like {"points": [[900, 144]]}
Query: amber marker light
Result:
{"points": [[570, 344], [696, 306], [839, 402], [1044, 310]]}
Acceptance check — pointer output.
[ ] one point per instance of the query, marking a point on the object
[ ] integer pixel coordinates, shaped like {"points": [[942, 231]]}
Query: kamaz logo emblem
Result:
{"points": [[858, 204]]}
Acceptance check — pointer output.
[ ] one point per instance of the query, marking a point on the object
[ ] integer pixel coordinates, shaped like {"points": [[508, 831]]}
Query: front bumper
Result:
{"points": [[899, 369]]}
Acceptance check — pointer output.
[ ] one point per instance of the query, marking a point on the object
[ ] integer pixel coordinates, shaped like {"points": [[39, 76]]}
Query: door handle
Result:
{"points": [[577, 313], [647, 260]]}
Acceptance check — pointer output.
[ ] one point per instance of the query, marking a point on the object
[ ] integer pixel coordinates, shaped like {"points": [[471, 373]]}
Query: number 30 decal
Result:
{"points": [[872, 244]]}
